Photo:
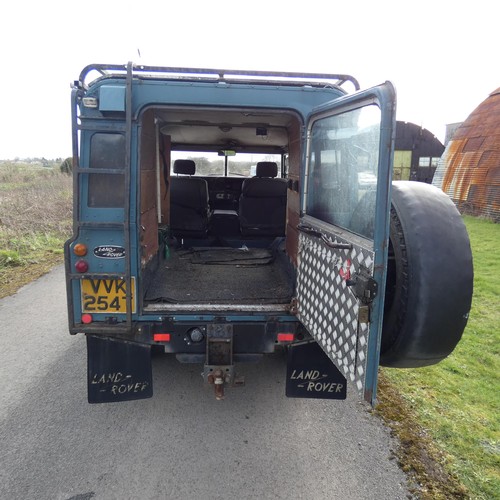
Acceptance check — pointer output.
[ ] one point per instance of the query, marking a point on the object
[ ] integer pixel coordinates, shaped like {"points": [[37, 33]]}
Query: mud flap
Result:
{"points": [[311, 374], [118, 370]]}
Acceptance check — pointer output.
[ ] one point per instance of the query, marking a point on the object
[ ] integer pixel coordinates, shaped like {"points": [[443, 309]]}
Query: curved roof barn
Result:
{"points": [[469, 170]]}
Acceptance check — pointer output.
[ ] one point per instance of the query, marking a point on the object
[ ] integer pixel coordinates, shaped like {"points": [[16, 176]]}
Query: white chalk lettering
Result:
{"points": [[128, 388], [305, 375], [109, 378], [324, 387]]}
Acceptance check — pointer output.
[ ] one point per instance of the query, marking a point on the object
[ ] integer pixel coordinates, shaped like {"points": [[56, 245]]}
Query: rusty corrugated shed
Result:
{"points": [[469, 170]]}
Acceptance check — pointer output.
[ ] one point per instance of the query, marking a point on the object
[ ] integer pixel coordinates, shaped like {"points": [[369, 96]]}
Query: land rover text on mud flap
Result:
{"points": [[220, 215]]}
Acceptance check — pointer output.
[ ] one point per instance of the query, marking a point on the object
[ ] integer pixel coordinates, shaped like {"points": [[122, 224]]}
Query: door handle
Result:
{"points": [[323, 237]]}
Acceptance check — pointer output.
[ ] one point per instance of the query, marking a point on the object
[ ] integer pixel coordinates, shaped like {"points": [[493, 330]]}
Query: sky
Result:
{"points": [[441, 55]]}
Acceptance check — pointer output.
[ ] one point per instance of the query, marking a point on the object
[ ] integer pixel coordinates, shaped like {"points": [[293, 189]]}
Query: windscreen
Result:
{"points": [[210, 164]]}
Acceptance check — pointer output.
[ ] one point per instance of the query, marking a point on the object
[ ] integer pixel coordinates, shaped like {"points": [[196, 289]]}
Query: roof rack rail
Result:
{"points": [[211, 74]]}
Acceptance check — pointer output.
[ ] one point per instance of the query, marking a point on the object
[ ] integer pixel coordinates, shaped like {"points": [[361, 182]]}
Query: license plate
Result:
{"points": [[106, 296]]}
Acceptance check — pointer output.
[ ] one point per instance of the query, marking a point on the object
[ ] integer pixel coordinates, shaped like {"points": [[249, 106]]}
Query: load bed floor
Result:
{"points": [[222, 275]]}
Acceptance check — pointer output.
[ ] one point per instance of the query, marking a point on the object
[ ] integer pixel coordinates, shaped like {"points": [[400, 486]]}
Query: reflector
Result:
{"points": [[161, 337], [286, 337], [86, 318]]}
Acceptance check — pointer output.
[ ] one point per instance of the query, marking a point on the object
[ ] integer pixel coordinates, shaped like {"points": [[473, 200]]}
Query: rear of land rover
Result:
{"points": [[187, 200]]}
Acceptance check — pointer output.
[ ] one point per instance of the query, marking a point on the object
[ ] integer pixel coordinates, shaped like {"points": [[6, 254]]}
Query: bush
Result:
{"points": [[67, 166]]}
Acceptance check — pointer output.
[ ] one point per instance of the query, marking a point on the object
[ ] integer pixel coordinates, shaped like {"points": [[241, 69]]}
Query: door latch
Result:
{"points": [[364, 287]]}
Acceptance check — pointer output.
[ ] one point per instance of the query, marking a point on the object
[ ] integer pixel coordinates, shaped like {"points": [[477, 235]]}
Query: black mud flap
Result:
{"points": [[118, 370], [311, 374]]}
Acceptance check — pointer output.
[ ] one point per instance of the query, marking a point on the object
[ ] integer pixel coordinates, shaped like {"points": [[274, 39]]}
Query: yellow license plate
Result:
{"points": [[106, 296]]}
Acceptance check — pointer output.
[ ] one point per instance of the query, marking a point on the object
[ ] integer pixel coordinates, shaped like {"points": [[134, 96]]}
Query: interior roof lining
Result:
{"points": [[213, 128]]}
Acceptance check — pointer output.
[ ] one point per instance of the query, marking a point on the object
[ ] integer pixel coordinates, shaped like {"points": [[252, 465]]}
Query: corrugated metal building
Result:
{"points": [[416, 153], [469, 170]]}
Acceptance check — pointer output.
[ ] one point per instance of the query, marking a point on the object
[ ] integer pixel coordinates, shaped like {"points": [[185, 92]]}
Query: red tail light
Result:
{"points": [[81, 266]]}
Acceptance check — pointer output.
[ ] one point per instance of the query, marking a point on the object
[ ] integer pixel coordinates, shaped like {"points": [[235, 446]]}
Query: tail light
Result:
{"points": [[81, 266]]}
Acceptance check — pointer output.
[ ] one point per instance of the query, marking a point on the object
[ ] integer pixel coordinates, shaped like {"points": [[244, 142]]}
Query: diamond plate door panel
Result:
{"points": [[328, 307]]}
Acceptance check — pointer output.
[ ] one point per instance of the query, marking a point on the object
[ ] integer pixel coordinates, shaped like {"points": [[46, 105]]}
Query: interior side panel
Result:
{"points": [[148, 190], [293, 204], [149, 235], [165, 149], [148, 219]]}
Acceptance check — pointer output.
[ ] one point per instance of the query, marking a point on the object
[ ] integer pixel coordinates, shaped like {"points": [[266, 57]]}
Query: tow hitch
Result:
{"points": [[219, 367]]}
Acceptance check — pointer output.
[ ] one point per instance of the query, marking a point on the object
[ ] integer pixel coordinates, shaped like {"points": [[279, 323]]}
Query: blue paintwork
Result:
{"points": [[304, 101], [112, 98], [146, 93], [149, 92]]}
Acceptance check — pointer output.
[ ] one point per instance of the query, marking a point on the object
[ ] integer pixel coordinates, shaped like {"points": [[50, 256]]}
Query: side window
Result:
{"points": [[107, 190], [343, 169]]}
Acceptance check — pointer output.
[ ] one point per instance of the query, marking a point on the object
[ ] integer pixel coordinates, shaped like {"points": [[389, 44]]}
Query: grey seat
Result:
{"points": [[189, 206], [262, 204]]}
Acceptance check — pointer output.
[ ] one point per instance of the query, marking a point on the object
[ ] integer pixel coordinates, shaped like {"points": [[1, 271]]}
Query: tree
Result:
{"points": [[67, 166]]}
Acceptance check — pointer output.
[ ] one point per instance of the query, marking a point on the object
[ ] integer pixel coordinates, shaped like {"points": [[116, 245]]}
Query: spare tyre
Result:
{"points": [[429, 279]]}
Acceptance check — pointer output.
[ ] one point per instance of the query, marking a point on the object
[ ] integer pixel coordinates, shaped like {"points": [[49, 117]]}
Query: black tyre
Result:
{"points": [[429, 279]]}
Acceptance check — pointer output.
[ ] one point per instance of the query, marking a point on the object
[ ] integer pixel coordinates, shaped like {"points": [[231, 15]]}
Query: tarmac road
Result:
{"points": [[182, 443]]}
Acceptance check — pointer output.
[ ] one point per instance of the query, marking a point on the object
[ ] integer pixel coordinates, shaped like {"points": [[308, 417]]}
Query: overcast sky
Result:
{"points": [[441, 55]]}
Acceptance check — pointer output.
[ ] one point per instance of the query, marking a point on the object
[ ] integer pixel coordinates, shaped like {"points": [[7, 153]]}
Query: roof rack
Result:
{"points": [[218, 75]]}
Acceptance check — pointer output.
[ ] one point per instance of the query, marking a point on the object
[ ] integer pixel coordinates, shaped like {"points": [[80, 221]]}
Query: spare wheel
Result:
{"points": [[429, 279]]}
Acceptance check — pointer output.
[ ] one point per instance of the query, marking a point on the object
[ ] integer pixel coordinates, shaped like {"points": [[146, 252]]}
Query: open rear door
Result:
{"points": [[344, 230]]}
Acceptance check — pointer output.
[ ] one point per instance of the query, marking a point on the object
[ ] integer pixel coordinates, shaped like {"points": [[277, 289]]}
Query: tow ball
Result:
{"points": [[218, 379], [219, 368]]}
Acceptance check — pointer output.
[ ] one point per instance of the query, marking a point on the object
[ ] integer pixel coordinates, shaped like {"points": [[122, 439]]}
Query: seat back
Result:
{"points": [[262, 204], [189, 207]]}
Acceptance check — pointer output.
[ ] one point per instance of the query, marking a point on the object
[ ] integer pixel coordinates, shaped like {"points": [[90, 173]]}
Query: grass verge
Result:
{"points": [[447, 416], [35, 220]]}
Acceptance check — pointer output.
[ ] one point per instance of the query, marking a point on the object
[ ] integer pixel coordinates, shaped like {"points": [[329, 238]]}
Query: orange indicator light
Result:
{"points": [[80, 249]]}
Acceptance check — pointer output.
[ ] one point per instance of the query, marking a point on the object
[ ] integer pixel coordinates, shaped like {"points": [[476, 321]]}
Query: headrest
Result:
{"points": [[266, 169], [186, 167]]}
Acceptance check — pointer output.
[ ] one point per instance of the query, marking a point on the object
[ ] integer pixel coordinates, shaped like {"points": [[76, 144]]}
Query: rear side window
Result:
{"points": [[343, 169], [107, 190]]}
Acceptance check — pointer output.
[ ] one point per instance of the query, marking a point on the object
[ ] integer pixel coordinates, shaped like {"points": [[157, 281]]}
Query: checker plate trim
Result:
{"points": [[327, 306]]}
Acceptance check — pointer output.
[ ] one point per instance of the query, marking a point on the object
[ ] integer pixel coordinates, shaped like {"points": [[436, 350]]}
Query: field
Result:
{"points": [[456, 404], [35, 219], [447, 417]]}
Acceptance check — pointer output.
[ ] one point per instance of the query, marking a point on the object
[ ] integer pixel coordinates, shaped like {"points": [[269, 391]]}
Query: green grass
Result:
{"points": [[458, 400]]}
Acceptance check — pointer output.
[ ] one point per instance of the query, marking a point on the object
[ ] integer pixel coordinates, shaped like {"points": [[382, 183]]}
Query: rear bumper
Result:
{"points": [[190, 338]]}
